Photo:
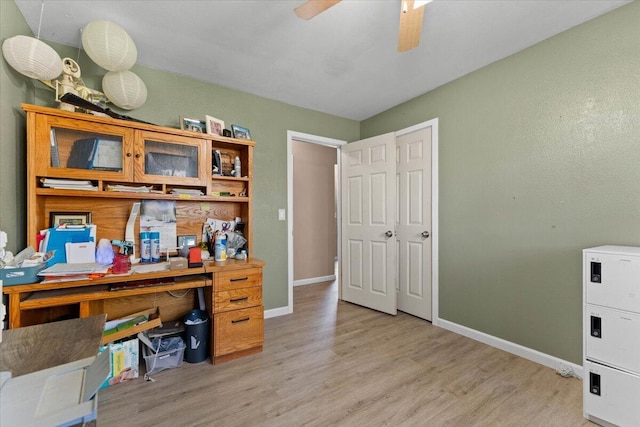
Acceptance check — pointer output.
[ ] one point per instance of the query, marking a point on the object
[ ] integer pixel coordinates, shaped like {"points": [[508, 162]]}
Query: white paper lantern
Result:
{"points": [[32, 58], [125, 89], [109, 45]]}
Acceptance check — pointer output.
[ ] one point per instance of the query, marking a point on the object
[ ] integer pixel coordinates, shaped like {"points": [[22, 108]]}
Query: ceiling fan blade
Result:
{"points": [[311, 8], [410, 26]]}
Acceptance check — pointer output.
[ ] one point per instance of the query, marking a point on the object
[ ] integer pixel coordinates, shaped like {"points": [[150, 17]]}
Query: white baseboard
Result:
{"points": [[517, 349], [275, 312], [313, 280]]}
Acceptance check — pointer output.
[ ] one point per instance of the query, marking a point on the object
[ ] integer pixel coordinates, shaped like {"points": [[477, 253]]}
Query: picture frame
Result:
{"points": [[193, 125], [69, 218], [214, 126], [240, 132]]}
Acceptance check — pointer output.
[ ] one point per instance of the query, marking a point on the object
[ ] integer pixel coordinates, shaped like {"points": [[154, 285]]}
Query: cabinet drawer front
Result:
{"points": [[236, 299], [612, 280], [238, 330], [236, 279], [612, 337]]}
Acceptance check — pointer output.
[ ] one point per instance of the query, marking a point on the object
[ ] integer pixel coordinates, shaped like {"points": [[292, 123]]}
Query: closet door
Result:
{"points": [[413, 226], [368, 222]]}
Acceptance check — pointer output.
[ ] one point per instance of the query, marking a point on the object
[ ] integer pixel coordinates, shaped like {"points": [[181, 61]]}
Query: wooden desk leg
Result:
{"points": [[85, 309], [91, 308], [14, 311]]}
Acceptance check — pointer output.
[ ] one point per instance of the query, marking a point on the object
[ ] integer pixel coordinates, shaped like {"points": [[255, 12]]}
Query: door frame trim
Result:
{"points": [[313, 139], [433, 123]]}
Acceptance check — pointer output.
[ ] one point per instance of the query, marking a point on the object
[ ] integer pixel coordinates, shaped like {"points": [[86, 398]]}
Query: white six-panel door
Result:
{"points": [[368, 222], [413, 222]]}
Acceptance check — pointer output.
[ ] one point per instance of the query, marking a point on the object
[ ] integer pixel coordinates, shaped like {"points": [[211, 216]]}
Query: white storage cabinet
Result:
{"points": [[611, 276]]}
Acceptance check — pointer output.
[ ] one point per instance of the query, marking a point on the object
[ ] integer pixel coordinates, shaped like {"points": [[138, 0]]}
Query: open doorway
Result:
{"points": [[313, 205], [315, 229]]}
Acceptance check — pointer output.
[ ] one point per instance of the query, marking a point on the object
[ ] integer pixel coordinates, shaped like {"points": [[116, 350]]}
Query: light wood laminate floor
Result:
{"points": [[337, 364]]}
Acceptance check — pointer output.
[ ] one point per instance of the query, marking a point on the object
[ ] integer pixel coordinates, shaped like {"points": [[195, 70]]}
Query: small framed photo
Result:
{"points": [[240, 132], [193, 125], [214, 126], [69, 218]]}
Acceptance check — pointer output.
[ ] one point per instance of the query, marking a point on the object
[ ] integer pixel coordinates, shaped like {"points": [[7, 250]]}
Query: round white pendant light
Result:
{"points": [[32, 58], [125, 89], [109, 45]]}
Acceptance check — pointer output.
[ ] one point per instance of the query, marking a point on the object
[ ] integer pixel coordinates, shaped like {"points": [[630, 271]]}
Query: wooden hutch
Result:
{"points": [[172, 163]]}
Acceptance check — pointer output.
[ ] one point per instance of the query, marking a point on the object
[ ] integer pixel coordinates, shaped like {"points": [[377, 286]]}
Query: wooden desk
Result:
{"points": [[232, 289]]}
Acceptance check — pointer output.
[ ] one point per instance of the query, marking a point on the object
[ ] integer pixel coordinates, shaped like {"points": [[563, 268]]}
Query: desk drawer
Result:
{"points": [[238, 330], [236, 299], [236, 279]]}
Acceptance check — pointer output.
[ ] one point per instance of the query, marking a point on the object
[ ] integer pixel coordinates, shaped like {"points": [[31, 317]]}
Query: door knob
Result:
{"points": [[424, 234], [389, 233]]}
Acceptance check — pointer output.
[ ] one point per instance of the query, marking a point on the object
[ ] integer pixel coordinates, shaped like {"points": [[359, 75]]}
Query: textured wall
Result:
{"points": [[539, 158], [170, 96], [13, 90]]}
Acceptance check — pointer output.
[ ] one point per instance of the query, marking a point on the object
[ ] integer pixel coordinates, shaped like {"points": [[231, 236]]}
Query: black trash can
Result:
{"points": [[196, 336]]}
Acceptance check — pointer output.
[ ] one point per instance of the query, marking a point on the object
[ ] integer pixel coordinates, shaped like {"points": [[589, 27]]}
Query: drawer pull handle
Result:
{"points": [[241, 299], [246, 319], [240, 279]]}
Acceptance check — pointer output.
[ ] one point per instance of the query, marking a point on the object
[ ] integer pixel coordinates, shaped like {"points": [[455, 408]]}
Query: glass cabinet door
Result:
{"points": [[166, 159], [170, 159], [85, 150], [92, 152]]}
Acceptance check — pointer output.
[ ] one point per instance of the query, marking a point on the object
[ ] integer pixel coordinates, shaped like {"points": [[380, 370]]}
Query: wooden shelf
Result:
{"points": [[216, 139], [149, 324], [128, 195], [229, 178], [36, 287], [57, 297]]}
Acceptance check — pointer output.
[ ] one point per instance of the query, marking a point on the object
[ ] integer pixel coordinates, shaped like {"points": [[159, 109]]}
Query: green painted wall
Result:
{"points": [[170, 96], [14, 89], [539, 158]]}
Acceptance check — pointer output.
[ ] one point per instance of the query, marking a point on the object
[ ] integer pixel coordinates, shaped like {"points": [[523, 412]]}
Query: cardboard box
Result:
{"points": [[178, 263], [50, 387], [124, 361]]}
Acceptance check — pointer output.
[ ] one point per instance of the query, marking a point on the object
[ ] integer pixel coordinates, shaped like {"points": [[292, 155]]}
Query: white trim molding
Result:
{"points": [[275, 312], [312, 280], [510, 347]]}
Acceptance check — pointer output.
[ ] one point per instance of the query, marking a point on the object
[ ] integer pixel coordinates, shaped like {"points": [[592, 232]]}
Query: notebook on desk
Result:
{"points": [[80, 252]]}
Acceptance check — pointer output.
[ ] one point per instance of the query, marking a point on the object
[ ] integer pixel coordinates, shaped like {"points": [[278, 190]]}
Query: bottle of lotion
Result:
{"points": [[236, 168]]}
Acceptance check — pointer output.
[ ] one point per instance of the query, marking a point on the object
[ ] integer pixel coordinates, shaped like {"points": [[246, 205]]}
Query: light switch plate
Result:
{"points": [[281, 215]]}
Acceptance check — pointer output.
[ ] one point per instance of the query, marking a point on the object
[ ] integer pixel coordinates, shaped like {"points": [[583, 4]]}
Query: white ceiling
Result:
{"points": [[343, 62]]}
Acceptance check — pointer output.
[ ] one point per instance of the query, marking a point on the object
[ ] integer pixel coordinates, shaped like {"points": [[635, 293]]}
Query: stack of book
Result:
{"points": [[133, 188], [68, 184], [187, 191]]}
